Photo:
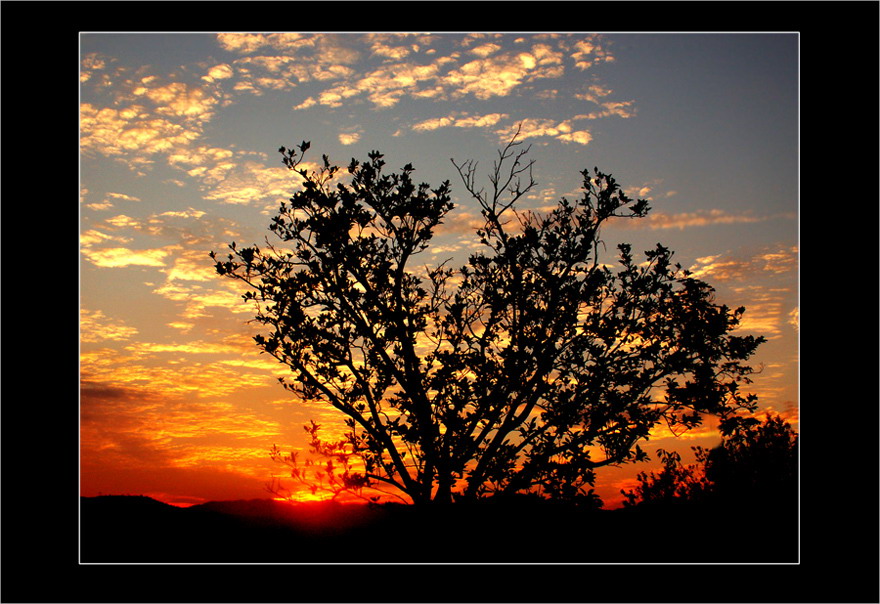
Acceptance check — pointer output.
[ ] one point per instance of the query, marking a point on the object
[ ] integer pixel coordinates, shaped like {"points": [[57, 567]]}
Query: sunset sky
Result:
{"points": [[179, 138]]}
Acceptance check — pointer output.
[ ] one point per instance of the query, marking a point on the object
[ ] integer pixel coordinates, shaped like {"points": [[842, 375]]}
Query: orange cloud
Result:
{"points": [[96, 327], [170, 372], [597, 94], [93, 236], [764, 315], [460, 121], [349, 138], [167, 434], [121, 132], [248, 43], [118, 257], [178, 99], [701, 218], [246, 183], [496, 75], [794, 318], [534, 128], [91, 63], [192, 265], [494, 71], [198, 156], [219, 72], [123, 197], [383, 86], [197, 299], [722, 267], [589, 51]]}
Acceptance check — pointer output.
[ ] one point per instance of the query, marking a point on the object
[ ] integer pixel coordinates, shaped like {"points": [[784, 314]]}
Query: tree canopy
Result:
{"points": [[522, 371]]}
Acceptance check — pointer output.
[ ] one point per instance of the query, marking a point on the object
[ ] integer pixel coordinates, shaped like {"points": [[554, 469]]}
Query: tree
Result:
{"points": [[522, 371], [755, 464]]}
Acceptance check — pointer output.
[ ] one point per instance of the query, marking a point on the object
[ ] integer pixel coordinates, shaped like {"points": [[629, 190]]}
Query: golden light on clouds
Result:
{"points": [[169, 371], [219, 72], [199, 156], [246, 183], [597, 94], [590, 51], [246, 43], [723, 267], [190, 267], [179, 100], [116, 133], [766, 313], [349, 138], [197, 435], [202, 301], [460, 121], [492, 76], [94, 326], [535, 128], [794, 318], [121, 257], [93, 236]]}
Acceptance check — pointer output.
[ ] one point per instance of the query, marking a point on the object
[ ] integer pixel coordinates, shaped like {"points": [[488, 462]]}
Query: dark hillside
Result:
{"points": [[139, 529]]}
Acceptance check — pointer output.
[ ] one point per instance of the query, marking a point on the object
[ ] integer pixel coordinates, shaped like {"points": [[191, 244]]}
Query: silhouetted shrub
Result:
{"points": [[755, 465]]}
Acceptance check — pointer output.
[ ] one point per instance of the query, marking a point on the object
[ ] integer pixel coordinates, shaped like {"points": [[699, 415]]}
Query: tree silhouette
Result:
{"points": [[756, 463], [522, 371]]}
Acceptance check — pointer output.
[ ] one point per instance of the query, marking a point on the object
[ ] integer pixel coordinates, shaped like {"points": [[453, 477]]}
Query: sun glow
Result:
{"points": [[304, 496]]}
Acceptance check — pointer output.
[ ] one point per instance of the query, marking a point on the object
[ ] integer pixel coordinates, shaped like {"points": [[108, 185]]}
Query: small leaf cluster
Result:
{"points": [[334, 476]]}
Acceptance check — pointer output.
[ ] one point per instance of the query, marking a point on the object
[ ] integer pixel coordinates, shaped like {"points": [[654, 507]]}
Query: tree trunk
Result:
{"points": [[444, 491]]}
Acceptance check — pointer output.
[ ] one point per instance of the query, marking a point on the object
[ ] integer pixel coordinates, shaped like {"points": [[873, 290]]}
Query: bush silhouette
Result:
{"points": [[755, 465], [758, 462]]}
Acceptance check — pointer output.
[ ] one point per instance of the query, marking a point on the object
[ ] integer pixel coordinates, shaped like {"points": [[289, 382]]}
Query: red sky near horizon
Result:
{"points": [[179, 136]]}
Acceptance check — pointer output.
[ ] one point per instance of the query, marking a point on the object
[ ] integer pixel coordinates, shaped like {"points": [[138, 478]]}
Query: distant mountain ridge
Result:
{"points": [[137, 528], [267, 509]]}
